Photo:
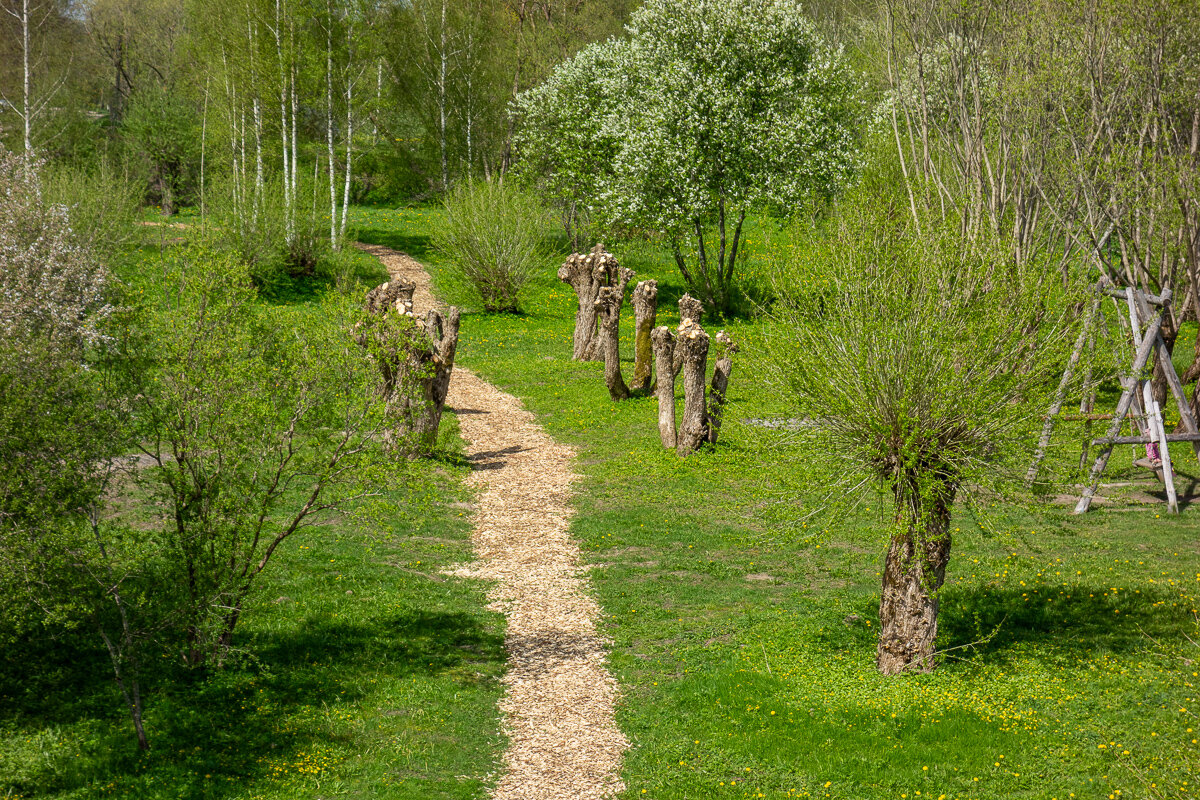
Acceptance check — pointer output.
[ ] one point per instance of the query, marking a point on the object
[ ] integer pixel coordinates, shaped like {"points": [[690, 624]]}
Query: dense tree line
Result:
{"points": [[208, 100]]}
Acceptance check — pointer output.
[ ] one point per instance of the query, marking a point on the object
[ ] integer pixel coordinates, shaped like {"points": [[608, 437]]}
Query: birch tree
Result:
{"points": [[34, 29]]}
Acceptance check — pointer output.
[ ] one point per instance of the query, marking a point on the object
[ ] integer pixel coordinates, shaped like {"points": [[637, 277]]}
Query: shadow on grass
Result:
{"points": [[419, 246], [1082, 619], [213, 732]]}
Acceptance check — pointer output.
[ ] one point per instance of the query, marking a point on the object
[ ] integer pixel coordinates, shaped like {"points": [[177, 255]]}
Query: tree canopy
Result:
{"points": [[706, 111]]}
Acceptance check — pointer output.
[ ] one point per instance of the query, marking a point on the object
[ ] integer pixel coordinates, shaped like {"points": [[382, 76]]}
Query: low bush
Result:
{"points": [[493, 241]]}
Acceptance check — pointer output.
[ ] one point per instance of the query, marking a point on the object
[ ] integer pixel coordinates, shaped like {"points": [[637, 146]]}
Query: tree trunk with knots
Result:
{"points": [[720, 384], [587, 274], [645, 311], [691, 350], [609, 301], [690, 311], [664, 355], [415, 359], [912, 577]]}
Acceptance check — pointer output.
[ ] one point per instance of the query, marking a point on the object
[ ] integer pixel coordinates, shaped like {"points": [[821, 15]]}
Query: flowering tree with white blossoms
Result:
{"points": [[711, 108], [563, 139]]}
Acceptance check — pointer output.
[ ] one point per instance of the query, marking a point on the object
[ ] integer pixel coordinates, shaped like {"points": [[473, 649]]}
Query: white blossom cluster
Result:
{"points": [[52, 289], [707, 102]]}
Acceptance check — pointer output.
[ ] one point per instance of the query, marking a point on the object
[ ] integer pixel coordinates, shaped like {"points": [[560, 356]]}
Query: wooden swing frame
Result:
{"points": [[1145, 313]]}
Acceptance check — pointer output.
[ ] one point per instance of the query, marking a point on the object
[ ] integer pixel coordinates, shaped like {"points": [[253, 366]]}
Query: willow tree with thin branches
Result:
{"points": [[922, 367]]}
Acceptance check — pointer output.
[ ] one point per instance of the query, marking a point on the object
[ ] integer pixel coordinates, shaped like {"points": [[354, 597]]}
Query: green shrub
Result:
{"points": [[102, 204], [257, 233], [493, 240]]}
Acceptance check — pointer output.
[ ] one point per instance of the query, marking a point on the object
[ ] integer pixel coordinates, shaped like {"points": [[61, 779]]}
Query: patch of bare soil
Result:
{"points": [[558, 712]]}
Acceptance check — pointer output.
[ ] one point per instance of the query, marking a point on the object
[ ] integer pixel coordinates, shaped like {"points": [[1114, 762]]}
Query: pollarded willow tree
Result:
{"points": [[923, 367], [707, 111]]}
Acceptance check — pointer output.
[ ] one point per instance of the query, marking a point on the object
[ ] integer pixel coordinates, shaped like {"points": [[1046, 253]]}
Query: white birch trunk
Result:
{"points": [[295, 159], [442, 69], [288, 231], [203, 148], [349, 152], [329, 124], [26, 93], [258, 160]]}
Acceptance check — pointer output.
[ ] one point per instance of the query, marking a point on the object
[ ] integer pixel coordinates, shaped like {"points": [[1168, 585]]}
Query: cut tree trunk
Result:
{"points": [[912, 577], [693, 343], [586, 274], [416, 361], [720, 383], [690, 311], [441, 335], [664, 354], [609, 301], [645, 311]]}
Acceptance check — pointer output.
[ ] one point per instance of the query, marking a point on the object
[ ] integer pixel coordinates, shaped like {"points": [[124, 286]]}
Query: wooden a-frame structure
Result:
{"points": [[1141, 318]]}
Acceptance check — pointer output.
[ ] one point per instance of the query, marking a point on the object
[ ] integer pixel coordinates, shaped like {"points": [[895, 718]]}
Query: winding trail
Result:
{"points": [[558, 711]]}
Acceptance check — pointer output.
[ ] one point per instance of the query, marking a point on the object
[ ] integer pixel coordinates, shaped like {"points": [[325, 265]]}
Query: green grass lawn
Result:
{"points": [[745, 648], [744, 645]]}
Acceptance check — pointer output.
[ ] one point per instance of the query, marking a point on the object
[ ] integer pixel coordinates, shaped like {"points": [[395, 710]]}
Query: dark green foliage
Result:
{"points": [[164, 130]]}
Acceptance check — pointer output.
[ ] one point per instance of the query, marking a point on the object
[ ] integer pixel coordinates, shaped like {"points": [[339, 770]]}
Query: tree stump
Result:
{"points": [[690, 310], [720, 383], [587, 274], [425, 398], [691, 349], [608, 304], [415, 359], [645, 310], [664, 355]]}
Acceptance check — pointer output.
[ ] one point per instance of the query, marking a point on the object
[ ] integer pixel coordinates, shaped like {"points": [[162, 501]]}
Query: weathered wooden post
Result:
{"points": [[690, 311], [664, 356], [645, 311], [586, 274], [691, 349]]}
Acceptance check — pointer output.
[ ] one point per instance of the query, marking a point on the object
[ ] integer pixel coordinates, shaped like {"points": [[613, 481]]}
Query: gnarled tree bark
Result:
{"points": [[912, 576], [609, 301], [720, 383], [416, 361], [587, 274], [691, 349], [664, 354], [426, 395], [645, 310]]}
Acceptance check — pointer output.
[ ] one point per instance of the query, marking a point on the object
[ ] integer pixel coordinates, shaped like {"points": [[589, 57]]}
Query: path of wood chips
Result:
{"points": [[558, 711]]}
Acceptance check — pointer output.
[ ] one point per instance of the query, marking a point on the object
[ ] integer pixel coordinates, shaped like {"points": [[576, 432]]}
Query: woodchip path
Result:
{"points": [[558, 710]]}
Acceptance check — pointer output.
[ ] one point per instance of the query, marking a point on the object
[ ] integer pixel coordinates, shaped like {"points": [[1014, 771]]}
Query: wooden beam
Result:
{"points": [[1152, 299], [1061, 393], [1139, 363], [1171, 437], [1164, 452], [1186, 421]]}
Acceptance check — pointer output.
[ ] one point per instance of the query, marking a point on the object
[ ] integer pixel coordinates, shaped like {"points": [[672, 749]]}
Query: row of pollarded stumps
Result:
{"points": [[415, 359], [686, 350], [599, 283]]}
